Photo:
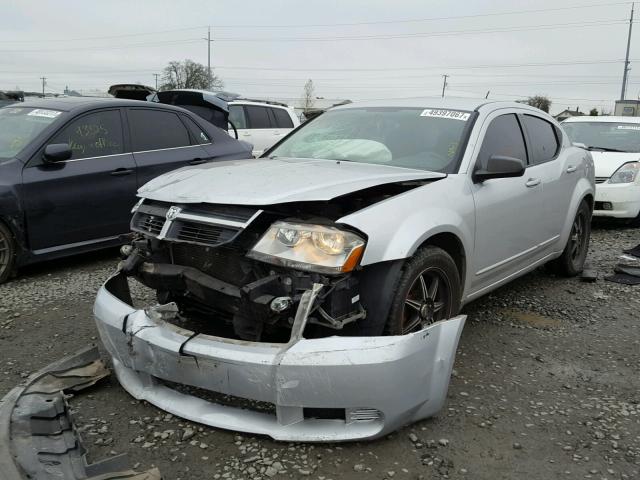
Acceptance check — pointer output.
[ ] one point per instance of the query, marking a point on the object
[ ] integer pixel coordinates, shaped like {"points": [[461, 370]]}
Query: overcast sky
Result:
{"points": [[269, 49]]}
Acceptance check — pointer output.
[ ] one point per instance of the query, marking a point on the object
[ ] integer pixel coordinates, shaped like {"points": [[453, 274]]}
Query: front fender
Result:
{"points": [[398, 226]]}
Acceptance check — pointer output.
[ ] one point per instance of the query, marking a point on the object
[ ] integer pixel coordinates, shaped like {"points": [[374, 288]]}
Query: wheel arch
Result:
{"points": [[452, 244]]}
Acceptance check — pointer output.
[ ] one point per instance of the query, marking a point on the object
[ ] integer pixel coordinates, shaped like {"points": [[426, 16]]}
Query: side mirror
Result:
{"points": [[499, 166], [57, 152]]}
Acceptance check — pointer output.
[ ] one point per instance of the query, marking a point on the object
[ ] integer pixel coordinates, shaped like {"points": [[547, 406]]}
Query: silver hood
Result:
{"points": [[266, 181]]}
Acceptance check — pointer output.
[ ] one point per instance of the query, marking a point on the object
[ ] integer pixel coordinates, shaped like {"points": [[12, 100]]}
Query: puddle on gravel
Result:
{"points": [[531, 319]]}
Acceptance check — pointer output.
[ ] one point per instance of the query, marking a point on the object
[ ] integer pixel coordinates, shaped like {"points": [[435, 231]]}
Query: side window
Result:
{"points": [[197, 133], [503, 137], [283, 120], [236, 115], [542, 137], [156, 129], [258, 116], [93, 135]]}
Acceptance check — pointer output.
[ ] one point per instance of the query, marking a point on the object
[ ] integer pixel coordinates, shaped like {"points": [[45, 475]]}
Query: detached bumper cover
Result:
{"points": [[624, 199], [375, 384], [37, 437]]}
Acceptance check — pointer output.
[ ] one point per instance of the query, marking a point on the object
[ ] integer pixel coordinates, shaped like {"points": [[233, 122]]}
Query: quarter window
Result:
{"points": [[283, 120], [199, 136], [542, 136], [503, 137], [258, 116], [156, 130], [94, 135]]}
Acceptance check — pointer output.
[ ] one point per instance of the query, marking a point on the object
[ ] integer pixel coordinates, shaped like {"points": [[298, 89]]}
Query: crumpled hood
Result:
{"points": [[606, 163], [265, 181]]}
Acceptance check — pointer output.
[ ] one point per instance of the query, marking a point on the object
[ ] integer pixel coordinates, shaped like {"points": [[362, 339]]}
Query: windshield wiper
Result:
{"points": [[605, 149]]}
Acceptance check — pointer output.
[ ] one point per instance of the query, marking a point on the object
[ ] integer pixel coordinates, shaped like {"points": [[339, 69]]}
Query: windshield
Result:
{"points": [[18, 126], [425, 139], [624, 137]]}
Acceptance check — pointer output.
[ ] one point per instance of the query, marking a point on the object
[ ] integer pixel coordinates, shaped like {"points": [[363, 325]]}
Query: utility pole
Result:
{"points": [[208, 39], [487, 95], [626, 59], [444, 83], [156, 75], [44, 82]]}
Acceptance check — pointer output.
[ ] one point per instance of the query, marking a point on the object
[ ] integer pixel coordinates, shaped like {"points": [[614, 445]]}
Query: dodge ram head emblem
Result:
{"points": [[172, 213]]}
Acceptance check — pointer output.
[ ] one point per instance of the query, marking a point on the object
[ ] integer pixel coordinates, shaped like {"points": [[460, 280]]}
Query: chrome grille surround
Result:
{"points": [[207, 225]]}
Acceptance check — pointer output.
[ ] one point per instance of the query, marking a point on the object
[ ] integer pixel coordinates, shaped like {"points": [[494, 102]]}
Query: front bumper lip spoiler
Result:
{"points": [[378, 383]]}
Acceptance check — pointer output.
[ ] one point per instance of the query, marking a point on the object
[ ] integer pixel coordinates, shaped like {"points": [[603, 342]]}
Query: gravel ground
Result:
{"points": [[546, 385]]}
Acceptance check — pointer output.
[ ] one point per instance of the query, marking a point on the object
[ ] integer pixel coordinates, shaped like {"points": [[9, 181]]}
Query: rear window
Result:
{"points": [[283, 120], [156, 130]]}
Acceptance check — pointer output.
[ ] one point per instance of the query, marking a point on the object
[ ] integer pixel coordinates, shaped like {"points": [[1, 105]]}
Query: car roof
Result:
{"points": [[453, 103], [71, 104], [267, 103], [602, 119]]}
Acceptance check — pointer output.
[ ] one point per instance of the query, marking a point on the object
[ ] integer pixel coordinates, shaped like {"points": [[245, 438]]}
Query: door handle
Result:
{"points": [[197, 161], [571, 168], [118, 172], [533, 182]]}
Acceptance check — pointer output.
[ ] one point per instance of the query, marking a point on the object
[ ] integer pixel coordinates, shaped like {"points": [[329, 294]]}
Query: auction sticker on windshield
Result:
{"points": [[452, 114], [41, 112]]}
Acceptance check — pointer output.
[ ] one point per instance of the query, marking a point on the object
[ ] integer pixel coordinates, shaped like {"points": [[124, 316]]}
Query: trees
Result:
{"points": [[593, 112], [308, 96], [188, 74], [538, 101]]}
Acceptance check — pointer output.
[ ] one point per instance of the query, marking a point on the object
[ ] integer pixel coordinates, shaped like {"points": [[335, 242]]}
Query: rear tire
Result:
{"points": [[571, 262], [427, 291], [7, 253]]}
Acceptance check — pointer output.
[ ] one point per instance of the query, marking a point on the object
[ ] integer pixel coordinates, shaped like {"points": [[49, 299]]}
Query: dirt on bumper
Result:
{"points": [[337, 388]]}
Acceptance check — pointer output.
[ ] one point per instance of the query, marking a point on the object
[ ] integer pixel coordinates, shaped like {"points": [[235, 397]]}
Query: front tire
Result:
{"points": [[571, 262], [427, 291], [7, 253]]}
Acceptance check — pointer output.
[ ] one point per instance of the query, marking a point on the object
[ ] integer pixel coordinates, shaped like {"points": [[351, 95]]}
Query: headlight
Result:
{"points": [[315, 248], [627, 173]]}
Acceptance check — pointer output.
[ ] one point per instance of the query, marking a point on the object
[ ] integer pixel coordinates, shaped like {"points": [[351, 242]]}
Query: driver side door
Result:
{"points": [[507, 209]]}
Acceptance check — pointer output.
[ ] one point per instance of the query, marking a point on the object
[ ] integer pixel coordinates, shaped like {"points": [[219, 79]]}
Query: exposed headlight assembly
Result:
{"points": [[627, 173], [315, 248]]}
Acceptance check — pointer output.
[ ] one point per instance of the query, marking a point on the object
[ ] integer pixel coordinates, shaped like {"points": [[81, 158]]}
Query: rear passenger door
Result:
{"points": [[544, 142], [161, 142]]}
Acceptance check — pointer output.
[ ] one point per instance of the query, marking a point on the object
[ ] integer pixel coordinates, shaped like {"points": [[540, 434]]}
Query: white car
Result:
{"points": [[614, 143], [261, 123]]}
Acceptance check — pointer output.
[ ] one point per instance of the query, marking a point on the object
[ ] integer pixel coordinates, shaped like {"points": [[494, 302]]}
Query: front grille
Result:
{"points": [[149, 223], [200, 233], [601, 179], [206, 225]]}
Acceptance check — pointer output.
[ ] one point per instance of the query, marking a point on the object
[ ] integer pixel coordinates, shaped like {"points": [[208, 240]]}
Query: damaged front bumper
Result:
{"points": [[328, 389]]}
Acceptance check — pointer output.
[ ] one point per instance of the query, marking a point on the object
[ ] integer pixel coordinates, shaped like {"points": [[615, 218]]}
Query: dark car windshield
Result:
{"points": [[20, 125], [616, 136], [425, 139]]}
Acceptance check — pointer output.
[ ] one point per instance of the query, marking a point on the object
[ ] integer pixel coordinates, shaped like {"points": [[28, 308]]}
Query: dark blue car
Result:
{"points": [[70, 168]]}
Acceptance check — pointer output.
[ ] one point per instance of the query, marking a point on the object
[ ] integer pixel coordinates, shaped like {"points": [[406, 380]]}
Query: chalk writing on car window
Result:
{"points": [[91, 130]]}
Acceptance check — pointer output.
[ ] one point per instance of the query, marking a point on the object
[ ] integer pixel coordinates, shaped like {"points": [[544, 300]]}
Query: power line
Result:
{"points": [[521, 28], [511, 29], [440, 67]]}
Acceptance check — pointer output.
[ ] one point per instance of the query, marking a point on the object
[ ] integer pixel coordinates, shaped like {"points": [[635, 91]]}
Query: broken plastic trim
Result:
{"points": [[37, 437]]}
